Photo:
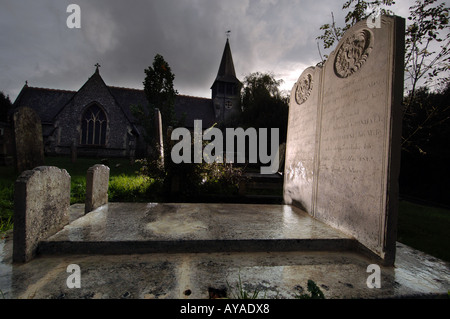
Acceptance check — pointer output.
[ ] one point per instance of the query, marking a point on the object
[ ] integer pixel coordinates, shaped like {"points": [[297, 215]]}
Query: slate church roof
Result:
{"points": [[46, 102], [49, 102], [195, 108]]}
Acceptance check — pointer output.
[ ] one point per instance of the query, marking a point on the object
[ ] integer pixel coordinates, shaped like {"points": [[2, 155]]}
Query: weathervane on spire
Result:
{"points": [[228, 34]]}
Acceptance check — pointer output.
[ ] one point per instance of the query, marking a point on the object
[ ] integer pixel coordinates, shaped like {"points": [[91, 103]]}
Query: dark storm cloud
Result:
{"points": [[123, 36]]}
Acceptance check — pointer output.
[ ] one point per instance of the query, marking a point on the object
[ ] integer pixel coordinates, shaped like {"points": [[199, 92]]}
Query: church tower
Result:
{"points": [[226, 90]]}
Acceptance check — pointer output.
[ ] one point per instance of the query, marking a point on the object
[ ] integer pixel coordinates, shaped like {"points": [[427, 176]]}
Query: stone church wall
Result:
{"points": [[69, 128]]}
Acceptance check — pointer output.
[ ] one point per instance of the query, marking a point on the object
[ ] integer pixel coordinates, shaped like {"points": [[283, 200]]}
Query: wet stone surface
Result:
{"points": [[141, 221], [183, 275], [171, 276]]}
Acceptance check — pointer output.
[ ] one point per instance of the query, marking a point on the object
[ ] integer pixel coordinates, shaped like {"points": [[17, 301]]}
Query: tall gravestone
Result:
{"points": [[344, 134], [159, 137], [28, 141], [41, 208]]}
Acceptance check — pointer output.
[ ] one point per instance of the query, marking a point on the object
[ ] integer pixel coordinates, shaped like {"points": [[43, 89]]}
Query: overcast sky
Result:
{"points": [[124, 36]]}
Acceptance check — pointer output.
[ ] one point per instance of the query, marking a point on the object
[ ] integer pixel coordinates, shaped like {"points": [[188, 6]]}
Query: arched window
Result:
{"points": [[93, 126]]}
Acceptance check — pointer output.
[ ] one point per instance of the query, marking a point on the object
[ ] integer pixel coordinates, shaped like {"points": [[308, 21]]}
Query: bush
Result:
{"points": [[6, 207], [220, 178], [195, 179]]}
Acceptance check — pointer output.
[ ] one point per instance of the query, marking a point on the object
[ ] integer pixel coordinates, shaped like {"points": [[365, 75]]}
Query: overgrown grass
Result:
{"points": [[425, 228]]}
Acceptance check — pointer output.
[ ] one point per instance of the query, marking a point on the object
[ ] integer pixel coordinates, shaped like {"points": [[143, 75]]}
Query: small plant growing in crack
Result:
{"points": [[314, 290], [240, 293]]}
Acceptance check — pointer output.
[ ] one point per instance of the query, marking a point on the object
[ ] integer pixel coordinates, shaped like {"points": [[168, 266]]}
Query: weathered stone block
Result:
{"points": [[97, 181], [41, 208]]}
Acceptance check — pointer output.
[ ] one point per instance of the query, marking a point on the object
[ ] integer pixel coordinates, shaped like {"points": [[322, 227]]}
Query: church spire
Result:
{"points": [[226, 87], [226, 69]]}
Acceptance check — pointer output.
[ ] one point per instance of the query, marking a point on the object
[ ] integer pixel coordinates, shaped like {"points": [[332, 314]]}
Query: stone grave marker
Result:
{"points": [[97, 181], [344, 134], [159, 137], [41, 208], [28, 141], [73, 152]]}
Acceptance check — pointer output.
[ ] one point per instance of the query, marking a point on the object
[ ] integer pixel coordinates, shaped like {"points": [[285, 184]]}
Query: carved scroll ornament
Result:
{"points": [[353, 53]]}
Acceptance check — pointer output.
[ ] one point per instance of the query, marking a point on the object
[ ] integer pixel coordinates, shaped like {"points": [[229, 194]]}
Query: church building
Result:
{"points": [[98, 121]]}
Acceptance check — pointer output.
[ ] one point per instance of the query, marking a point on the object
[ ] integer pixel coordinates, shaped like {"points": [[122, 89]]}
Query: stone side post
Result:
{"points": [[41, 208], [97, 181]]}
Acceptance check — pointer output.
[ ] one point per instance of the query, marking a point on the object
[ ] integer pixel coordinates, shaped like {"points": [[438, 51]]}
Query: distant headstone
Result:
{"points": [[132, 149], [73, 152], [97, 181], [344, 134], [41, 208], [159, 137], [28, 141]]}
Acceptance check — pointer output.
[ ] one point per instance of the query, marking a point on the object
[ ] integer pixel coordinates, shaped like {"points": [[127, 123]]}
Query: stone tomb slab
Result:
{"points": [[121, 228]]}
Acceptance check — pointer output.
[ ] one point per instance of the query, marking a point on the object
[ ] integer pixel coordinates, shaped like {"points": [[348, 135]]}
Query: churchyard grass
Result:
{"points": [[127, 188], [425, 228]]}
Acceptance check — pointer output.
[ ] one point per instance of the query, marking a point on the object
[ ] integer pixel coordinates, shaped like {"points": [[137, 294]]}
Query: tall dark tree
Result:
{"points": [[427, 66], [263, 105], [426, 129], [5, 107], [425, 172], [160, 94], [427, 58], [159, 89]]}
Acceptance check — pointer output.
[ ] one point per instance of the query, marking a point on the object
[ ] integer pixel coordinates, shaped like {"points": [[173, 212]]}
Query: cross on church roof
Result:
{"points": [[97, 66]]}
